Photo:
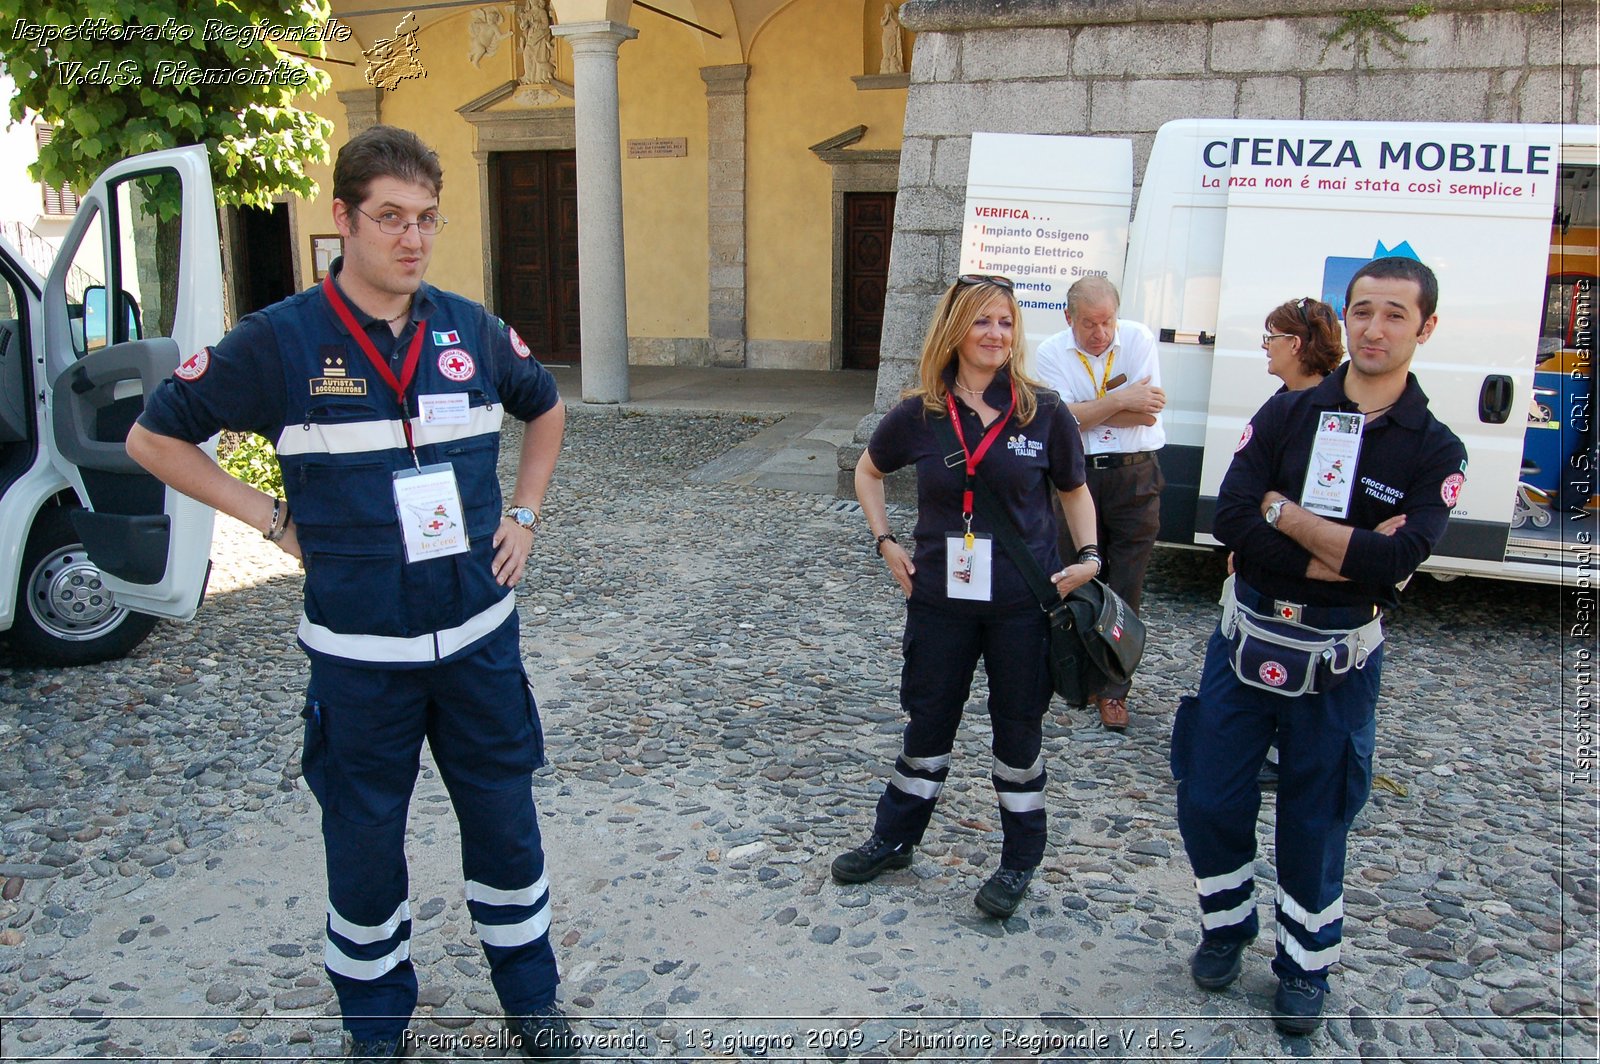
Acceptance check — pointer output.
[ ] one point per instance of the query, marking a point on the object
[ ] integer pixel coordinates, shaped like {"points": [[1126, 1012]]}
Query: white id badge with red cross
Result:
{"points": [[1331, 473], [969, 566], [431, 519]]}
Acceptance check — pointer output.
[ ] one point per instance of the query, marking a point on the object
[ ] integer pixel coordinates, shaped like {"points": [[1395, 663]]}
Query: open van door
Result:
{"points": [[1046, 211], [1309, 203], [136, 287]]}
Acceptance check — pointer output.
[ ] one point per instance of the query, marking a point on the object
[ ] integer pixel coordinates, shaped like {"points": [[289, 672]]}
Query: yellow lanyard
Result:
{"points": [[1099, 385]]}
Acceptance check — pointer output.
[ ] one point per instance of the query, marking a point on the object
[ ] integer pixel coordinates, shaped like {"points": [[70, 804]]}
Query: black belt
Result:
{"points": [[1117, 461], [1332, 618]]}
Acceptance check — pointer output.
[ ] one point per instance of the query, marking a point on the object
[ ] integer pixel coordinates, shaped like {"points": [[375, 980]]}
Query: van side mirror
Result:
{"points": [[96, 320]]}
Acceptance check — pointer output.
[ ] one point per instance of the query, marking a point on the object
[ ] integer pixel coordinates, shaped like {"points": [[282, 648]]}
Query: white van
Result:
{"points": [[93, 550], [1236, 216]]}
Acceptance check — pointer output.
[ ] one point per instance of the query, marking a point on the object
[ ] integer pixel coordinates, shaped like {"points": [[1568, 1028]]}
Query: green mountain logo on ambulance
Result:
{"points": [[1401, 155]]}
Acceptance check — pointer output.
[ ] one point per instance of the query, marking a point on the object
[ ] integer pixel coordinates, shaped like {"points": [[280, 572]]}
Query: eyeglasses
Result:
{"points": [[390, 222], [1267, 338], [985, 278]]}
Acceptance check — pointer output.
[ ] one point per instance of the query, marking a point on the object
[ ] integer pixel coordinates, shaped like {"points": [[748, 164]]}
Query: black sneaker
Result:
{"points": [[544, 1034], [870, 858], [1217, 962], [1297, 1006], [377, 1050], [1001, 895]]}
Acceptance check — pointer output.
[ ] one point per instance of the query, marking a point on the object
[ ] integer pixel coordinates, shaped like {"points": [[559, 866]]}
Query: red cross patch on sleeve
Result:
{"points": [[194, 367]]}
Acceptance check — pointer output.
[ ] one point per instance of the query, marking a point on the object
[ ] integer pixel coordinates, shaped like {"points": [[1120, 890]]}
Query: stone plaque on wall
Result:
{"points": [[658, 148]]}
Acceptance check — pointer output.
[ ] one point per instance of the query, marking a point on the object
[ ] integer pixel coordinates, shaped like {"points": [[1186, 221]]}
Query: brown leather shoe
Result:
{"points": [[1113, 713]]}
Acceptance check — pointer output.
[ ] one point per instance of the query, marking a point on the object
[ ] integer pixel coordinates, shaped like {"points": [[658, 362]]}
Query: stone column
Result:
{"points": [[725, 148], [361, 108], [602, 277]]}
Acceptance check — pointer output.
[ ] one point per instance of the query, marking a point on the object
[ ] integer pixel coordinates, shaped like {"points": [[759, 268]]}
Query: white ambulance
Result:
{"points": [[93, 550], [1237, 216]]}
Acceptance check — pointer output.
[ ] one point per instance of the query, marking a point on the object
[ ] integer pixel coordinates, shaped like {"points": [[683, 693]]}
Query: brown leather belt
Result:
{"points": [[1117, 461]]}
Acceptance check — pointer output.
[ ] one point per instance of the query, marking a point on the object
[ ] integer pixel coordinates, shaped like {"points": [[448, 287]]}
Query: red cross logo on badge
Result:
{"points": [[194, 367], [1450, 490], [456, 364], [1273, 674], [1286, 612], [1244, 438], [517, 344]]}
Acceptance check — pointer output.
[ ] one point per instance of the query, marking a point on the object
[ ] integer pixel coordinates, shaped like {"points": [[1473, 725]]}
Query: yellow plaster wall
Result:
{"points": [[427, 106], [801, 63], [664, 200]]}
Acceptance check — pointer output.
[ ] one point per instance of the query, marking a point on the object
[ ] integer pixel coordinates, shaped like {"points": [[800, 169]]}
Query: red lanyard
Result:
{"points": [[974, 457], [408, 369]]}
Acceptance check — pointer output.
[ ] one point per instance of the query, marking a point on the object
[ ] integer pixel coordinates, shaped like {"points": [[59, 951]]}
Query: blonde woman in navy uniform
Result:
{"points": [[965, 600]]}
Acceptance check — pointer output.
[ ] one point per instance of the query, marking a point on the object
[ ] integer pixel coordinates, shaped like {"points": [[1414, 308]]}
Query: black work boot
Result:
{"points": [[1297, 1006], [1001, 895], [870, 858], [544, 1034], [1217, 962], [377, 1050]]}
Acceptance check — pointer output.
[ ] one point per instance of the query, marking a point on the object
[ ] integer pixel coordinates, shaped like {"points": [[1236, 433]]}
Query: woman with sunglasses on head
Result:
{"points": [[972, 415], [1302, 342]]}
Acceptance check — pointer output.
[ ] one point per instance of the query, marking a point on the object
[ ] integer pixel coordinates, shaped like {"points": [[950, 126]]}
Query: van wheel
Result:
{"points": [[65, 615]]}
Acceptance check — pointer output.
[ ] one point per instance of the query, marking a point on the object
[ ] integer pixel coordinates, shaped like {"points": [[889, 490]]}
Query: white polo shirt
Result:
{"points": [[1059, 363]]}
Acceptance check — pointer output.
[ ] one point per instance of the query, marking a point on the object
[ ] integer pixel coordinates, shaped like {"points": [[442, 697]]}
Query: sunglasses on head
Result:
{"points": [[985, 278]]}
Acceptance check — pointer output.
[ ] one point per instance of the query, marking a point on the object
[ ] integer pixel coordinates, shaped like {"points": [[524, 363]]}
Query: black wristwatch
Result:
{"points": [[524, 516]]}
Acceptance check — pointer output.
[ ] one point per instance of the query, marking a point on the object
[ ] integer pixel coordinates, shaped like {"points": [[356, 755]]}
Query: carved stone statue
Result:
{"points": [[485, 31], [894, 56], [538, 46]]}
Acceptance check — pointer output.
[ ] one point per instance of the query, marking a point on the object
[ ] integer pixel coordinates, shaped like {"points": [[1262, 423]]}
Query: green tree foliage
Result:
{"points": [[117, 79]]}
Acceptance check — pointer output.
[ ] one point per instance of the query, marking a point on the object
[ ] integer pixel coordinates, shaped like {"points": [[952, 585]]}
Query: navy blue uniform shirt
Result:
{"points": [[1410, 463], [242, 387], [1022, 467]]}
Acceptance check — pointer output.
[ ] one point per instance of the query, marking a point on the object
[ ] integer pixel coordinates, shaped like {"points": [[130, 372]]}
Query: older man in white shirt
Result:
{"points": [[1109, 372]]}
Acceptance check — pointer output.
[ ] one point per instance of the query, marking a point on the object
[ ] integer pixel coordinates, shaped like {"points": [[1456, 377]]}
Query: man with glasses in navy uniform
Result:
{"points": [[384, 397]]}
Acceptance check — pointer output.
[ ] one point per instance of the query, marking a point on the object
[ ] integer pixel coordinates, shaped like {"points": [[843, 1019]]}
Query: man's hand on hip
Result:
{"points": [[512, 544]]}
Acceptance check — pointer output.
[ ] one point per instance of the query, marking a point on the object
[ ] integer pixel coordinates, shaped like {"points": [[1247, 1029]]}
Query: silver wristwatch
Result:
{"points": [[1275, 511], [524, 516]]}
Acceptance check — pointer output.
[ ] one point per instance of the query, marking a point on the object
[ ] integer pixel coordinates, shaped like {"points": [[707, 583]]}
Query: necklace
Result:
{"points": [[969, 391], [1377, 411], [403, 314]]}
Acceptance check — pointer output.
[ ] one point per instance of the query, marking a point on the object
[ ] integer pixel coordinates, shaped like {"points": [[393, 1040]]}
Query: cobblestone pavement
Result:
{"points": [[717, 671]]}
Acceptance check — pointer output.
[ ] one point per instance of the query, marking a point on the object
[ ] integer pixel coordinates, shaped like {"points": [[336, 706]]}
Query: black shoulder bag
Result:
{"points": [[1096, 640]]}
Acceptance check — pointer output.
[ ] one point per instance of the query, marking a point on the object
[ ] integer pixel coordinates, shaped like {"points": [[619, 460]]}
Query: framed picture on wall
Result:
{"points": [[324, 249]]}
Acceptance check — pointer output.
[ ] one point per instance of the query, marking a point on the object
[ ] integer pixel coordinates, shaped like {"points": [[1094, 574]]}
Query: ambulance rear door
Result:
{"points": [[1309, 203], [1046, 211], [1171, 283]]}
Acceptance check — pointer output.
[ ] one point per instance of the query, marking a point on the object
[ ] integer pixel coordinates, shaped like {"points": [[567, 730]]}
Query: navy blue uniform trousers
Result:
{"points": [[941, 650], [1324, 776], [363, 741]]}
